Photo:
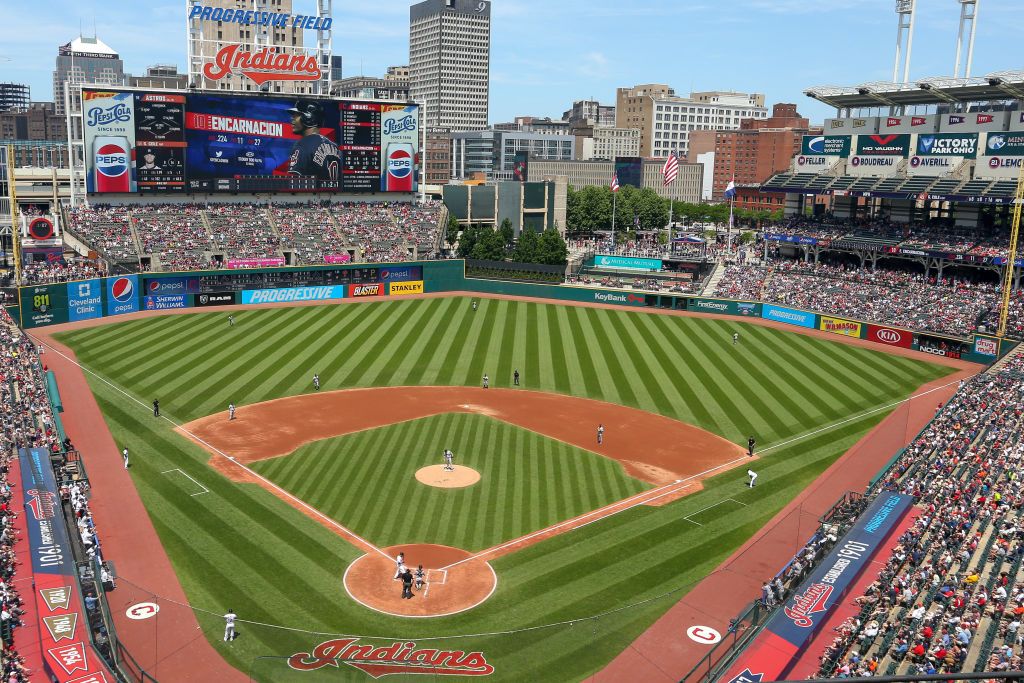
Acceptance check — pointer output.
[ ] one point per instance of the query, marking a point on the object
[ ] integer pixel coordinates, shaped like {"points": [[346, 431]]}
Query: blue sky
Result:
{"points": [[547, 53]]}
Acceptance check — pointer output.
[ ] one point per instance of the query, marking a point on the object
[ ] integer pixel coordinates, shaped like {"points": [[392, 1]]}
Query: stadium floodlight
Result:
{"points": [[968, 15], [905, 12]]}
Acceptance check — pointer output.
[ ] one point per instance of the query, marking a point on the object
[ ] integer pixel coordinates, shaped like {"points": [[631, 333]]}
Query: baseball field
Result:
{"points": [[267, 514]]}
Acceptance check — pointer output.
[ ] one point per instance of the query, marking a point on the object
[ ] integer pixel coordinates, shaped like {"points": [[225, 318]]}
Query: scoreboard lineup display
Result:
{"points": [[151, 142]]}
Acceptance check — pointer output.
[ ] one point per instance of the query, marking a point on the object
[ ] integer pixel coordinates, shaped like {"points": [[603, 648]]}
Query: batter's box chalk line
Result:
{"points": [[726, 500], [178, 470]]}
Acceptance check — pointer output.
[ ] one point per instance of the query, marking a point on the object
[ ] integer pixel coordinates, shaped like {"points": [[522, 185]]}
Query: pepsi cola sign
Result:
{"points": [[399, 163], [112, 161], [122, 294]]}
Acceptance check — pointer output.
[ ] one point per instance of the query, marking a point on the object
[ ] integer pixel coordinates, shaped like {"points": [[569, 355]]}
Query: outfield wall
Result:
{"points": [[54, 304]]}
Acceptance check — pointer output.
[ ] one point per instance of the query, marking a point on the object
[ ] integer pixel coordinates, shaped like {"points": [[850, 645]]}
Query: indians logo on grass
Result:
{"points": [[122, 289], [42, 503], [807, 605], [397, 658]]}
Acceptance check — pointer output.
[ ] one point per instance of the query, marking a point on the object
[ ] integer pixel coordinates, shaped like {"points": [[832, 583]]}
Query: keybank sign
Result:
{"points": [[627, 262]]}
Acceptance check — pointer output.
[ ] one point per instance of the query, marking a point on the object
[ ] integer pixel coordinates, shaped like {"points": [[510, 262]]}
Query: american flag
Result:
{"points": [[670, 169], [615, 182]]}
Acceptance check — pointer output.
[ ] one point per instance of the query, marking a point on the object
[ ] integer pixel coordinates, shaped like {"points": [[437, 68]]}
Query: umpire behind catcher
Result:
{"points": [[313, 154]]}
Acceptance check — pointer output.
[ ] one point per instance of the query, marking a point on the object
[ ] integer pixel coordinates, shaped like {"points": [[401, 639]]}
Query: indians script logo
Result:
{"points": [[397, 658], [102, 116], [42, 503], [263, 66], [807, 605], [392, 126]]}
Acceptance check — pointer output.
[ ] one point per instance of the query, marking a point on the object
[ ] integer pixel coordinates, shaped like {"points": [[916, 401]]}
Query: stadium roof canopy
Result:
{"points": [[935, 90]]}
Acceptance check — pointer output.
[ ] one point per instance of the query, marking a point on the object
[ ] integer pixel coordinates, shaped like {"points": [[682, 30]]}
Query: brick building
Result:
{"points": [[759, 149]]}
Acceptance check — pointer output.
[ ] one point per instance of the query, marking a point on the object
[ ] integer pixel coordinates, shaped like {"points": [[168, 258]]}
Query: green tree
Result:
{"points": [[468, 241], [451, 234], [489, 246], [527, 249], [746, 237], [507, 233], [552, 249]]}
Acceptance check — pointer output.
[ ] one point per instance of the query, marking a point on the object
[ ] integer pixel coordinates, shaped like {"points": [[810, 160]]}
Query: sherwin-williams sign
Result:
{"points": [[947, 145], [825, 145], [627, 262]]}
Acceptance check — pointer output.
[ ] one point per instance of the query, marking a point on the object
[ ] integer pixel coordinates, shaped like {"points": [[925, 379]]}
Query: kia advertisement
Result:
{"points": [[890, 336], [122, 294], [162, 142]]}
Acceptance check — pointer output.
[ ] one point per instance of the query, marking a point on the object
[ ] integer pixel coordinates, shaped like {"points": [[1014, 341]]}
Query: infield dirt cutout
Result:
{"points": [[438, 477], [671, 455]]}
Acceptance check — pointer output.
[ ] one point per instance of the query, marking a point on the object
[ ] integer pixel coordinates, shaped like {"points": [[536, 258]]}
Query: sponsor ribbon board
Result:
{"points": [[122, 294], [790, 239], [63, 627], [165, 302], [269, 262], [627, 262], [743, 308], [791, 628], [401, 274], [847, 328], [85, 300], [891, 336], [171, 285], [789, 316], [214, 299], [290, 294], [405, 288]]}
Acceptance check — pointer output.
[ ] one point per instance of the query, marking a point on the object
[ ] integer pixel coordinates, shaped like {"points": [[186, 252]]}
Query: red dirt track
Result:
{"points": [[178, 651]]}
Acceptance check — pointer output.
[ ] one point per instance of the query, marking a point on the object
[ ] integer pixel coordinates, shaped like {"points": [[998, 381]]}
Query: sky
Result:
{"points": [[548, 53]]}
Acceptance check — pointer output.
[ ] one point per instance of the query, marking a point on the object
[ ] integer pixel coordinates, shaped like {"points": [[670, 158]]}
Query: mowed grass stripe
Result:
{"points": [[639, 363], [459, 329], [427, 356], [559, 363], [620, 390]]}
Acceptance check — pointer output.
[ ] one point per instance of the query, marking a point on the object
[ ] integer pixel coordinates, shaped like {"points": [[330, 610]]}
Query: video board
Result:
{"points": [[161, 142]]}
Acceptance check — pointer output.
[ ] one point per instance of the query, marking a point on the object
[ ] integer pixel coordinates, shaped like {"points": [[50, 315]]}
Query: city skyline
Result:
{"points": [[778, 47]]}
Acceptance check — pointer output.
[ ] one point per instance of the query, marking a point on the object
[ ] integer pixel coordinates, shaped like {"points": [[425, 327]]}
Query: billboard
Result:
{"points": [[139, 141], [630, 171], [288, 294], [789, 316], [627, 262], [728, 307], [883, 145], [847, 328], [961, 145], [122, 294], [1001, 156], [890, 336], [84, 300], [826, 145], [165, 302]]}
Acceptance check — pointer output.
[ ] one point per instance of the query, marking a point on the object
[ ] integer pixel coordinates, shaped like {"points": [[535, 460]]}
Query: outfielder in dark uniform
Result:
{"points": [[313, 154]]}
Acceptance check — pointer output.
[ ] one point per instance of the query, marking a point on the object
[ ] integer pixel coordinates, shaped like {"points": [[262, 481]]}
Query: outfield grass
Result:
{"points": [[241, 547], [528, 482]]}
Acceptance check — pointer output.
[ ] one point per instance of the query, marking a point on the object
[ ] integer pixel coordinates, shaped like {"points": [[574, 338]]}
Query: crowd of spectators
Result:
{"points": [[308, 231], [242, 231], [107, 230], [42, 272], [174, 234], [949, 597]]}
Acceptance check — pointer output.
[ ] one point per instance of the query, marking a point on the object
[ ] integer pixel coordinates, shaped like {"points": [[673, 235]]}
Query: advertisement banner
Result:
{"points": [[269, 262], [790, 239], [122, 294], [85, 300], [896, 145], [996, 167], [791, 628], [402, 274], [964, 145], [873, 166], [405, 288], [826, 145], [372, 289], [986, 346], [847, 328], [788, 316], [627, 262], [890, 336], [617, 298], [273, 296], [109, 121], [165, 302], [43, 305], [214, 299], [813, 164], [399, 146], [337, 258], [171, 285], [743, 308]]}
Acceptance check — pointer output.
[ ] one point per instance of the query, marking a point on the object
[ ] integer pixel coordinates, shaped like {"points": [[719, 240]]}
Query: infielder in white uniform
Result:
{"points": [[448, 455], [231, 411], [753, 477], [229, 625]]}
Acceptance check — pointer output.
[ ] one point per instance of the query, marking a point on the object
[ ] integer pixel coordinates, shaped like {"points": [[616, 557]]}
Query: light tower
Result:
{"points": [[968, 15], [905, 10]]}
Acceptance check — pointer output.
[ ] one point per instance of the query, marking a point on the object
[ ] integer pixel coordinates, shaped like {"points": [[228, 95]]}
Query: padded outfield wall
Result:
{"points": [[109, 297]]}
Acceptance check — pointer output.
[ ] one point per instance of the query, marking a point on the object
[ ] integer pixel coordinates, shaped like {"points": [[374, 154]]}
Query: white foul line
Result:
{"points": [[182, 473], [724, 500], [221, 453]]}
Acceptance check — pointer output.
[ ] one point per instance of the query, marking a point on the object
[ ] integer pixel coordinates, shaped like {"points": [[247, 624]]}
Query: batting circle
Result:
{"points": [[142, 610]]}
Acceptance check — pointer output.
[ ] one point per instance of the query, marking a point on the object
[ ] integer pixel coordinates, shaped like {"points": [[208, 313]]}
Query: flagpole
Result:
{"points": [[614, 196], [670, 207]]}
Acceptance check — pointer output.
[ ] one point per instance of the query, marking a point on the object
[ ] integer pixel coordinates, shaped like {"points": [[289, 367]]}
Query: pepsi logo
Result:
{"points": [[122, 290], [154, 286], [399, 163], [112, 161]]}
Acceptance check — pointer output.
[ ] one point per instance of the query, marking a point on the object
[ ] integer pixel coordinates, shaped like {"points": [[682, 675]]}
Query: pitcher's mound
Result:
{"points": [[437, 475], [455, 581]]}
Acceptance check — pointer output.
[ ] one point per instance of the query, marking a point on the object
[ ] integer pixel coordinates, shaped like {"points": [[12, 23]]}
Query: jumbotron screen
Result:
{"points": [[164, 142]]}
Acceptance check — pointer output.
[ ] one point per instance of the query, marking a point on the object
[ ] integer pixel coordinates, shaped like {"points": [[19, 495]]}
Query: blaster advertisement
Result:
{"points": [[172, 142]]}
